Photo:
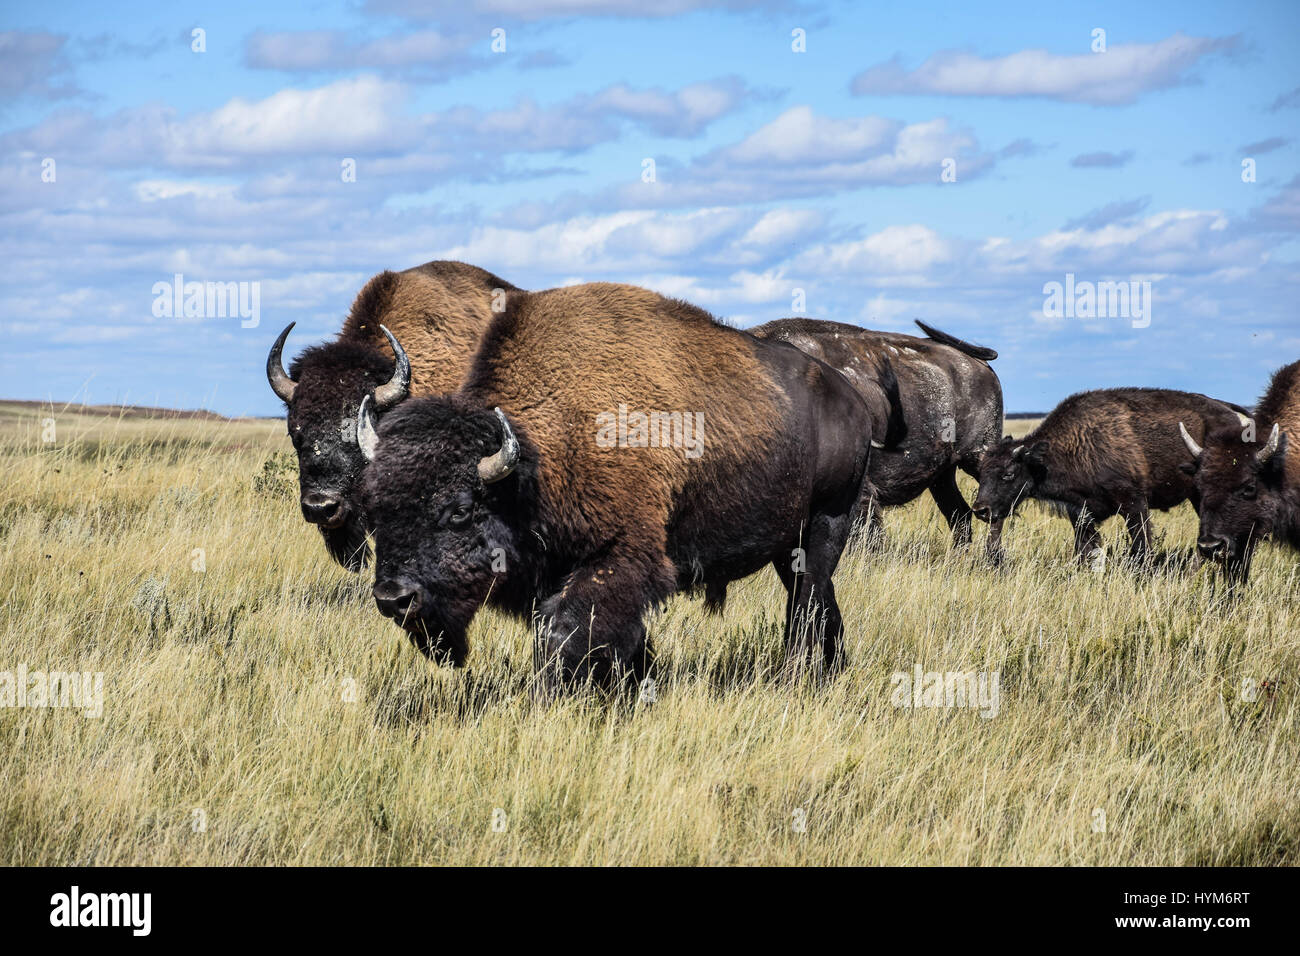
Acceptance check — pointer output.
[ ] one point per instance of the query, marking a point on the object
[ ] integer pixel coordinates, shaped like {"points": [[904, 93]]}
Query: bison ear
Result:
{"points": [[1035, 455], [367, 439]]}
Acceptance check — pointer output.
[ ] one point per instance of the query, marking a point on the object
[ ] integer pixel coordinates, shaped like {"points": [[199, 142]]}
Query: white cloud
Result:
{"points": [[1119, 75]]}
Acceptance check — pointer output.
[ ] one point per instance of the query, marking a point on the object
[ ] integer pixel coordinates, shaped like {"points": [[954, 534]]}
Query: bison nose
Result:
{"points": [[983, 512], [325, 510], [397, 599], [1212, 547]]}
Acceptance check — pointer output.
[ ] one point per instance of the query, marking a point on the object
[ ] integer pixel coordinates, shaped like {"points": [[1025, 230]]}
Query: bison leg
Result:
{"points": [[812, 614], [591, 630], [993, 546], [1087, 537], [869, 523], [948, 497], [1138, 519]]}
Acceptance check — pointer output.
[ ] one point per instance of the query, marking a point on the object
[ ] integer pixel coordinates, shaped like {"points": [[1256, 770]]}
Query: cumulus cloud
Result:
{"points": [[1287, 100], [34, 64], [1111, 212], [366, 115], [1264, 146], [530, 10], [422, 52], [1120, 75], [1102, 160]]}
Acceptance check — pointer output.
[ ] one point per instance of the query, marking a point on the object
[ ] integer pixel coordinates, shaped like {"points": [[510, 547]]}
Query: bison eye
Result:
{"points": [[1247, 491], [458, 516]]}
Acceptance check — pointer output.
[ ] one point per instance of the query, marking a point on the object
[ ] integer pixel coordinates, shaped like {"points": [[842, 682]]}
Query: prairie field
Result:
{"points": [[258, 710]]}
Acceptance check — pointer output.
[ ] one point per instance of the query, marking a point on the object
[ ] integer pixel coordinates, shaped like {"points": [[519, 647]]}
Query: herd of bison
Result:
{"points": [[454, 421]]}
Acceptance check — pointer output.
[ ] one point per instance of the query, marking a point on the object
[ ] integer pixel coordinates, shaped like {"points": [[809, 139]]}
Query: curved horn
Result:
{"points": [[1189, 441], [497, 466], [1270, 447], [366, 437], [1244, 420], [397, 387], [280, 381]]}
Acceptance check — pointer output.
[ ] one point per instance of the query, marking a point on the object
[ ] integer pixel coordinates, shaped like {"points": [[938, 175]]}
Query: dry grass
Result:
{"points": [[225, 690]]}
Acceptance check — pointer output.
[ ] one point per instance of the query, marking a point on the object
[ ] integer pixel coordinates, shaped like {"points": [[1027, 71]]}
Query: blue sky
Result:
{"points": [[774, 171]]}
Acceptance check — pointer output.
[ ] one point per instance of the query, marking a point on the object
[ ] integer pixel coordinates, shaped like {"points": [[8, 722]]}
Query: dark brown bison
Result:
{"points": [[437, 312], [1248, 478], [1098, 454], [944, 407], [544, 487]]}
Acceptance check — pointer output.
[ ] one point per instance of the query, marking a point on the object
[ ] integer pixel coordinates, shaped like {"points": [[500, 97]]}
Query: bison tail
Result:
{"points": [[943, 338], [895, 427]]}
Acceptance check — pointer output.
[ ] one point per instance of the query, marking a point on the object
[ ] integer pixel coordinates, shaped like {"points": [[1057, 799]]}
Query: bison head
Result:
{"points": [[323, 394], [1008, 474], [446, 493], [1239, 484]]}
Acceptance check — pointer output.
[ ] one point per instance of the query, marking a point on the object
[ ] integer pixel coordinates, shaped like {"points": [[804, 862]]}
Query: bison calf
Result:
{"points": [[1098, 454], [543, 488], [1248, 478]]}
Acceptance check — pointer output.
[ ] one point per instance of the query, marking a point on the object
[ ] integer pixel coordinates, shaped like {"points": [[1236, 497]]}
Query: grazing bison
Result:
{"points": [[1249, 485], [437, 311], [1097, 454], [945, 407], [609, 447]]}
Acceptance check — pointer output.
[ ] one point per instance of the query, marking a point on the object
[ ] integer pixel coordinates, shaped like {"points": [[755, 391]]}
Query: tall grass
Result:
{"points": [[260, 711]]}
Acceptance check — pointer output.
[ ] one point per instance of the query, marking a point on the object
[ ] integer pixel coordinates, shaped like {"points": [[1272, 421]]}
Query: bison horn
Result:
{"points": [[1189, 441], [397, 387], [1270, 447], [366, 437], [280, 381], [496, 466], [1244, 420]]}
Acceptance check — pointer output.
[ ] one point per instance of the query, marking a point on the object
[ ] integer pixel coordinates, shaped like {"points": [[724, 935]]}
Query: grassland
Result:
{"points": [[257, 710]]}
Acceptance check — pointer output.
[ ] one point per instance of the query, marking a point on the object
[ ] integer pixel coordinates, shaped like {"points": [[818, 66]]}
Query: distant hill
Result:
{"points": [[122, 411]]}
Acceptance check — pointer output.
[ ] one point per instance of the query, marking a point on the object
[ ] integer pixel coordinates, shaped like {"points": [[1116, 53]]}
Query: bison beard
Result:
{"points": [[583, 539], [347, 544]]}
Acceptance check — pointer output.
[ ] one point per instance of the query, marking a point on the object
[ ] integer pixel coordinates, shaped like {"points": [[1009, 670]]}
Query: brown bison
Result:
{"points": [[1098, 454], [943, 412], [1248, 479], [437, 312], [609, 447]]}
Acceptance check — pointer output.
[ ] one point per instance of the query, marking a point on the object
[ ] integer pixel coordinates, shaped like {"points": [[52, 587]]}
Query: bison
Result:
{"points": [[437, 311], [1098, 454], [944, 411], [1249, 488], [543, 488]]}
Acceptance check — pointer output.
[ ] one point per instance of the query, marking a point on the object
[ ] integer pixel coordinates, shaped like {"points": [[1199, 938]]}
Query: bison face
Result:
{"points": [[1239, 484], [323, 396], [1008, 474], [446, 523]]}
